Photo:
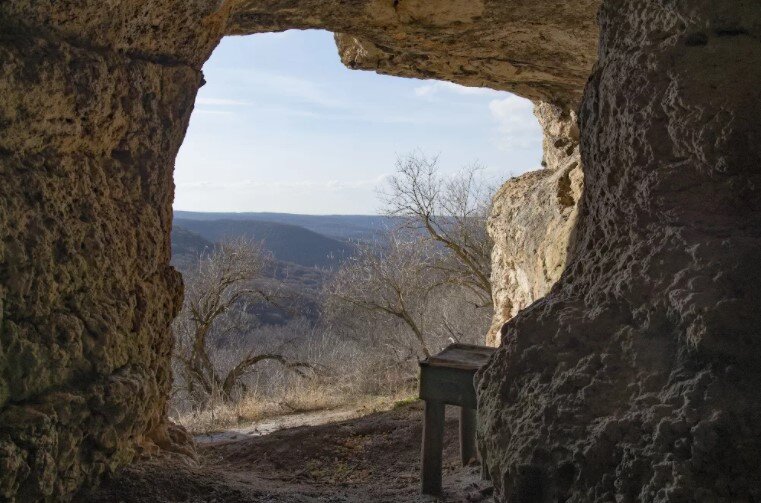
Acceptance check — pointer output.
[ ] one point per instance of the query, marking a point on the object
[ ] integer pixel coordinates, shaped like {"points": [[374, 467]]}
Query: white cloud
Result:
{"points": [[304, 90], [287, 187], [437, 86], [206, 111], [516, 125], [425, 90], [220, 102], [299, 89], [217, 106], [276, 35], [337, 111]]}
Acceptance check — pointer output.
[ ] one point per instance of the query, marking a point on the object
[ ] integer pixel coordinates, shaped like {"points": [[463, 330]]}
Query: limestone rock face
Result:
{"points": [[96, 99], [636, 378], [88, 137], [532, 221], [540, 50]]}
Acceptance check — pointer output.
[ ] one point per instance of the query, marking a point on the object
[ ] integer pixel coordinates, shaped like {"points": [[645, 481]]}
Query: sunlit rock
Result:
{"points": [[532, 220]]}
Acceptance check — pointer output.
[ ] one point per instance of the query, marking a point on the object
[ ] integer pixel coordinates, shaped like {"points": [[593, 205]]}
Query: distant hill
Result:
{"points": [[187, 242], [297, 286], [288, 243], [342, 227]]}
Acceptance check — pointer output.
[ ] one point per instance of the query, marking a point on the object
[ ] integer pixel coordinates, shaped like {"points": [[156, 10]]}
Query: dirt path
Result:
{"points": [[312, 418], [369, 459]]}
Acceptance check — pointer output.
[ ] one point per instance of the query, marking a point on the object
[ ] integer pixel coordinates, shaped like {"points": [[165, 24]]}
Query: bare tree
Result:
{"points": [[394, 280], [452, 211], [217, 294]]}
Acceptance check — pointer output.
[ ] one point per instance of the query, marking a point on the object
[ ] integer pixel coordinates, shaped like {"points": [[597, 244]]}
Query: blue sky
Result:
{"points": [[281, 125]]}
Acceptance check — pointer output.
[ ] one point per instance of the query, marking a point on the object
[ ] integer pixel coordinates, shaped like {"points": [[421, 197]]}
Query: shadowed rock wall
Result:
{"points": [[93, 113], [637, 377]]}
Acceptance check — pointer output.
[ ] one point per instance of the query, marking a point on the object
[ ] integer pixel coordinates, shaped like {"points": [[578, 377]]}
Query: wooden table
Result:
{"points": [[447, 379]]}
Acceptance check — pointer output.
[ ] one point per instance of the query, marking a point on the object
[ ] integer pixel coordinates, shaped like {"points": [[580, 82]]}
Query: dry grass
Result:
{"points": [[310, 396], [349, 369]]}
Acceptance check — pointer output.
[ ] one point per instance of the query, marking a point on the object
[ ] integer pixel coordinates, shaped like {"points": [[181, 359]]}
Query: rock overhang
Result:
{"points": [[97, 99], [543, 51]]}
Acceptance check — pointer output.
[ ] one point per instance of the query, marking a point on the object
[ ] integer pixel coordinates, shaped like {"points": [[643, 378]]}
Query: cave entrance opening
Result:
{"points": [[330, 228]]}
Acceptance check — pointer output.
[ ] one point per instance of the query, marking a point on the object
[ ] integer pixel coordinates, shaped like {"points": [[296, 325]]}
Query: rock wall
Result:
{"points": [[540, 50], [532, 221], [96, 99], [636, 378], [93, 113]]}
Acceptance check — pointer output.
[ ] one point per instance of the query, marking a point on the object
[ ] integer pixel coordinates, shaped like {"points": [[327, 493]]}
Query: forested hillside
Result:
{"points": [[287, 243], [342, 227]]}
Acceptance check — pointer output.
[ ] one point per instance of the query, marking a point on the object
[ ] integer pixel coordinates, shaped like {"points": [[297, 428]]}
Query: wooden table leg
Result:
{"points": [[467, 435], [484, 466], [433, 436]]}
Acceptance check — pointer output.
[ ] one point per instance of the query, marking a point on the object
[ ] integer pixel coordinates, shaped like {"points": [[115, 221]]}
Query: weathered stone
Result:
{"points": [[166, 32], [532, 221], [636, 378], [86, 154], [540, 50], [96, 101]]}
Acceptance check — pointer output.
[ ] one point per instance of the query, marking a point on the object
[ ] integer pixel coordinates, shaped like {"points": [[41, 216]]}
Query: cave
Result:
{"points": [[628, 363]]}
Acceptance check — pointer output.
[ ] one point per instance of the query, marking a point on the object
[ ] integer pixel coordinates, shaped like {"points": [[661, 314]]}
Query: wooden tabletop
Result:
{"points": [[460, 356]]}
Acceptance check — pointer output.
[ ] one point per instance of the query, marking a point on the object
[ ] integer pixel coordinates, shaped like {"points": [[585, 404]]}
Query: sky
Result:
{"points": [[281, 125]]}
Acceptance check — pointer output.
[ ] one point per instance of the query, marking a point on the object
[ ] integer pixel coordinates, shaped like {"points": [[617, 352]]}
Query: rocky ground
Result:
{"points": [[369, 459]]}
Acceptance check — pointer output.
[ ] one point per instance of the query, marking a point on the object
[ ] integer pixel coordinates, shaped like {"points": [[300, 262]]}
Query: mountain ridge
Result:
{"points": [[342, 227], [286, 242]]}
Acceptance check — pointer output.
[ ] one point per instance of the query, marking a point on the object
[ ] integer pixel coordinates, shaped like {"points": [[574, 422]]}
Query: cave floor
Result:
{"points": [[374, 458]]}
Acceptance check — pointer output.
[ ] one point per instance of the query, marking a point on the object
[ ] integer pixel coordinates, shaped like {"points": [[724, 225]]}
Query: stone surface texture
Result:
{"points": [[95, 103], [540, 50], [532, 220], [636, 378]]}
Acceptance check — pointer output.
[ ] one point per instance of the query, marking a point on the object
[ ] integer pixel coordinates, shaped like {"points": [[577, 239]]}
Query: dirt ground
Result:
{"points": [[375, 458]]}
